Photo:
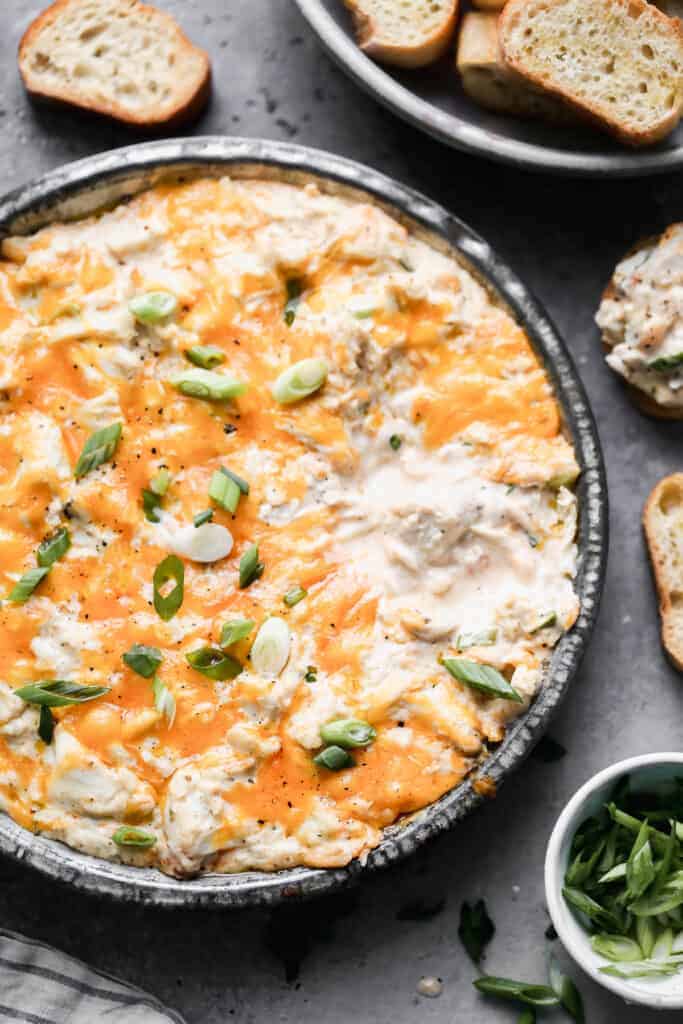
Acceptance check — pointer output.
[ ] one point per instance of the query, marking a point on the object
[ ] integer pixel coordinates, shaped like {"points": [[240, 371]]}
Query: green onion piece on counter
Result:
{"points": [[566, 991], [294, 289], [250, 567], [167, 603], [299, 381], [164, 701], [206, 356], [46, 724], [484, 678], [143, 659], [347, 733], [240, 481], [476, 929], [53, 547], [153, 307], [527, 1016], [24, 587], [549, 619], [59, 693], [224, 491], [395, 442], [203, 517], [99, 448], [335, 759], [214, 663], [209, 385], [235, 630], [486, 638], [519, 991], [135, 837], [294, 595], [664, 363]]}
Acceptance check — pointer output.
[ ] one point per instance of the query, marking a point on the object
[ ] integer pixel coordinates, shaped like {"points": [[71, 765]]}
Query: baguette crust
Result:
{"points": [[407, 53], [191, 92], [662, 520]]}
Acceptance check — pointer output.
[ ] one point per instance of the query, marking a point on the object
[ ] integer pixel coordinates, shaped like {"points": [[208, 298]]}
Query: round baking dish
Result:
{"points": [[81, 188]]}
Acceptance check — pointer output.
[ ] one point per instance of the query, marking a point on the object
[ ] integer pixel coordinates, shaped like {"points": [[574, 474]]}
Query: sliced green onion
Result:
{"points": [[484, 678], [520, 991], [270, 650], [486, 638], [642, 969], [616, 947], [348, 733], [143, 659], [160, 482], [395, 442], [164, 701], [335, 759], [203, 517], [46, 724], [566, 991], [549, 619], [235, 630], [664, 363], [153, 307], [224, 491], [476, 929], [299, 381], [59, 693], [240, 481], [214, 663], [171, 568], [250, 567], [206, 356], [294, 595], [207, 384], [151, 503], [294, 289], [99, 448], [24, 587], [127, 836], [53, 547]]}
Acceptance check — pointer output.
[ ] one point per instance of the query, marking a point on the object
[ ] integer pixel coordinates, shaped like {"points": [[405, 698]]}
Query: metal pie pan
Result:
{"points": [[433, 100], [83, 187]]}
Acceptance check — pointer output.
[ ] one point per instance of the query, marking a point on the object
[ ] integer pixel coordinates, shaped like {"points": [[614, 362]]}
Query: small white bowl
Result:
{"points": [[658, 993]]}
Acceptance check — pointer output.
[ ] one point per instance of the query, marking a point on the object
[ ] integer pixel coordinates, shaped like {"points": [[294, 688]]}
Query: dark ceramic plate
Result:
{"points": [[432, 99], [83, 187]]}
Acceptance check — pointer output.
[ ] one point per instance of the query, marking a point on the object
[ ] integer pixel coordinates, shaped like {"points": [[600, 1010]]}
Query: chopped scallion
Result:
{"points": [[46, 724], [206, 356], [335, 759], [209, 385], [300, 380], [395, 442], [53, 547], [99, 448], [294, 595], [59, 693], [348, 733], [168, 603], [250, 567], [224, 491], [214, 663], [24, 587], [235, 630], [143, 659], [135, 837], [203, 517], [164, 701], [293, 288], [153, 307], [480, 677]]}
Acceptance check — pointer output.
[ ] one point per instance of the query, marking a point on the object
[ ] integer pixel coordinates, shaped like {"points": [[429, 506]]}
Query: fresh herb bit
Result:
{"points": [[239, 480], [59, 693], [53, 547], [311, 674], [143, 659], [160, 482], [549, 619], [167, 604], [294, 595], [235, 630], [206, 356], [164, 701], [395, 442], [299, 381], [419, 911], [46, 724], [224, 492], [152, 495], [270, 650], [24, 587], [209, 385], [99, 448], [294, 288], [203, 517], [335, 759], [548, 750], [153, 307], [348, 733], [250, 567], [128, 836], [484, 678], [486, 638], [520, 991], [566, 991], [476, 929], [214, 663], [664, 363]]}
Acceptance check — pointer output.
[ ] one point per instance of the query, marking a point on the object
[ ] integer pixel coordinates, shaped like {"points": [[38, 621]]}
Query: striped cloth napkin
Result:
{"points": [[39, 985]]}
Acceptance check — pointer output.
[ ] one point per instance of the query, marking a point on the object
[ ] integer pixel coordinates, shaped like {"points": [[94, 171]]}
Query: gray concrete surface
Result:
{"points": [[355, 957]]}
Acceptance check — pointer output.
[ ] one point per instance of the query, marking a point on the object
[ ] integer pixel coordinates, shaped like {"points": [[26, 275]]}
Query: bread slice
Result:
{"points": [[663, 524], [120, 58], [490, 82], [489, 5], [406, 34], [620, 62], [674, 8]]}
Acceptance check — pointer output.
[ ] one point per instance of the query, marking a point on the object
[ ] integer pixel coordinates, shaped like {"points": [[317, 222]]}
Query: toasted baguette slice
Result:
{"points": [[407, 35], [674, 8], [620, 62], [120, 58], [489, 5], [490, 82], [663, 523]]}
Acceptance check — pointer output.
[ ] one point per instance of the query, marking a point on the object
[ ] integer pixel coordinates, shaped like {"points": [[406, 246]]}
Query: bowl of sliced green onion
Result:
{"points": [[614, 879]]}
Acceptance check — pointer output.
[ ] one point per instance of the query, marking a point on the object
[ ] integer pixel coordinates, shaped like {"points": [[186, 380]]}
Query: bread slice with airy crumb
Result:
{"points": [[490, 82], [618, 62], [408, 35], [663, 524], [120, 58]]}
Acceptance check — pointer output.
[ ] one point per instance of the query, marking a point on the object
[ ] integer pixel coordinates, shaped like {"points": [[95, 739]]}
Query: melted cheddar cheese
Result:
{"points": [[417, 497]]}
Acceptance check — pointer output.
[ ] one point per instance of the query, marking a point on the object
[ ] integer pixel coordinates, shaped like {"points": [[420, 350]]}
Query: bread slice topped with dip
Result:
{"points": [[406, 35], [663, 524], [641, 319]]}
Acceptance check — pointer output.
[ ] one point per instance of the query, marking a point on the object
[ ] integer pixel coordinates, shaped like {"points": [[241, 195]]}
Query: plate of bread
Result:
{"points": [[588, 87]]}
